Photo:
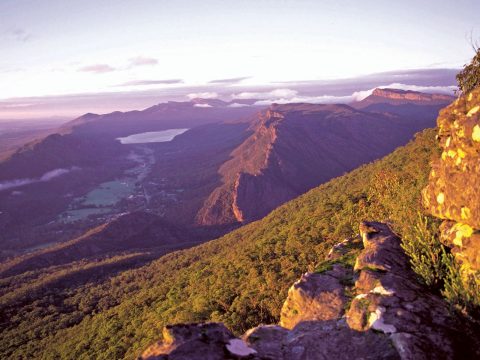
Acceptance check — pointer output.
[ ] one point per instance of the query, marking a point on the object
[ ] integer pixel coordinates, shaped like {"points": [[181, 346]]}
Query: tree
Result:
{"points": [[469, 78]]}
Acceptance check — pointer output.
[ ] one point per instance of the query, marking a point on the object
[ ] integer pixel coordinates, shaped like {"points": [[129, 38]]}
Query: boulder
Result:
{"points": [[319, 340], [315, 297], [209, 341]]}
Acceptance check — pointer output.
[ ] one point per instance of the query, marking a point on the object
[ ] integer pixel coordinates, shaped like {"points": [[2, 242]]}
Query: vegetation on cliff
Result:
{"points": [[469, 78]]}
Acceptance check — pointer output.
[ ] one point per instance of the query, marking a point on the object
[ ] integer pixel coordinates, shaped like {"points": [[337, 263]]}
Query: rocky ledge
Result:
{"points": [[377, 310]]}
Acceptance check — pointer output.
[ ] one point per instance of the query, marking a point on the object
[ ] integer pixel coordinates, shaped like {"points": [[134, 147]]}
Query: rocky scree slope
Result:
{"points": [[375, 310]]}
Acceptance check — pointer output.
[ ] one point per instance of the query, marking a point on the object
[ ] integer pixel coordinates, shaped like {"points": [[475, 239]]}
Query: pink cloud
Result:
{"points": [[97, 68], [142, 61]]}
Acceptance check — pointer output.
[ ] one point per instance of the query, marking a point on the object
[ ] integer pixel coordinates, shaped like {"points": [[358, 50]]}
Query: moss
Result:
{"points": [[347, 260]]}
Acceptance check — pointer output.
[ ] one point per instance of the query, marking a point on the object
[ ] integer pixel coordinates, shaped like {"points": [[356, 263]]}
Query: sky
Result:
{"points": [[59, 50]]}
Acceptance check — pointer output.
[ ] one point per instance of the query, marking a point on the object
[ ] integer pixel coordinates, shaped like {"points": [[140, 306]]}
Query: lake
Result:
{"points": [[151, 136]]}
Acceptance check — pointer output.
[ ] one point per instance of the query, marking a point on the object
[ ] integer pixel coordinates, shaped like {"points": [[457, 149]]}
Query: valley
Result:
{"points": [[166, 223], [249, 180], [204, 178]]}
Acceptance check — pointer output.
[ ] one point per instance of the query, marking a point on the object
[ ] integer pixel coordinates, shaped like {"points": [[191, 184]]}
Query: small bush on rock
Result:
{"points": [[469, 78]]}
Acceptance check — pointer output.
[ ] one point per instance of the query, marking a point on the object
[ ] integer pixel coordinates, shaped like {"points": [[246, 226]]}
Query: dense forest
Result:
{"points": [[240, 279]]}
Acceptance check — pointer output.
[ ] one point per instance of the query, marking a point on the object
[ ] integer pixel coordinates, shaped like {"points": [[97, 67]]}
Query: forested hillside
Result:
{"points": [[240, 279]]}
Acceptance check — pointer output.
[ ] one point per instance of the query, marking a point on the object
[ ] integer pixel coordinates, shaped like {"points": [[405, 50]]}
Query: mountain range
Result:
{"points": [[234, 165], [105, 242]]}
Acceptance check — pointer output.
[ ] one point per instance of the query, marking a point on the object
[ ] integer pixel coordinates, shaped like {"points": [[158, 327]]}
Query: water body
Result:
{"points": [[103, 201], [151, 136]]}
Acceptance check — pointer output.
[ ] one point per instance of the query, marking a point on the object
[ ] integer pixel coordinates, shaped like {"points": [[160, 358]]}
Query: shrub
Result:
{"points": [[438, 268], [421, 243], [469, 78], [461, 290]]}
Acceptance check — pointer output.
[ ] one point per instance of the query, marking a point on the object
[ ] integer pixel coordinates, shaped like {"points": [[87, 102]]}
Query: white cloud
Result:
{"points": [[284, 96], [49, 175], [203, 105], [237, 105], [53, 174], [203, 95], [450, 90], [277, 93]]}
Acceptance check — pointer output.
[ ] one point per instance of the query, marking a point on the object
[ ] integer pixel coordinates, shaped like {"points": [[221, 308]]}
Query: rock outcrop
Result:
{"points": [[453, 193], [389, 299], [408, 95], [316, 297], [210, 341], [388, 316]]}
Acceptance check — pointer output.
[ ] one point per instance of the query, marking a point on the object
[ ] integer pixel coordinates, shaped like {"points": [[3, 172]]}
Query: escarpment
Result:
{"points": [[453, 191], [295, 147], [374, 309]]}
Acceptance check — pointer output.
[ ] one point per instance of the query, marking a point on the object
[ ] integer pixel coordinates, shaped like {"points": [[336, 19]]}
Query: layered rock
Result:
{"points": [[391, 316], [409, 95], [389, 299], [453, 193]]}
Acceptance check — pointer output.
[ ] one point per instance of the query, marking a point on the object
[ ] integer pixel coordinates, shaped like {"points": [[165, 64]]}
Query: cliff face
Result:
{"points": [[453, 190], [408, 95], [295, 147], [374, 310]]}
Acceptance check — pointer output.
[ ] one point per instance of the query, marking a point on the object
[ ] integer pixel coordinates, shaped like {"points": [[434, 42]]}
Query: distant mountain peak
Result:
{"points": [[410, 95]]}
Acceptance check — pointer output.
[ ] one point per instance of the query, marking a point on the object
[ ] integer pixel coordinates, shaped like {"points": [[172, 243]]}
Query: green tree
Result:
{"points": [[469, 78]]}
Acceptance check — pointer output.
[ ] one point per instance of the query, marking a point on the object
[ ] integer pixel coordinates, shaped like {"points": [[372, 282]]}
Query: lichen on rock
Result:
{"points": [[453, 190]]}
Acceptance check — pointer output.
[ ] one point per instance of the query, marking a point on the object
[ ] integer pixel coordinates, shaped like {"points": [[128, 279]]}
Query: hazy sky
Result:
{"points": [[58, 47]]}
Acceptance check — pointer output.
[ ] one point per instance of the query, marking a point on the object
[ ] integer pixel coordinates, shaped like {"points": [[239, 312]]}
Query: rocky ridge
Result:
{"points": [[373, 310], [408, 95], [295, 147]]}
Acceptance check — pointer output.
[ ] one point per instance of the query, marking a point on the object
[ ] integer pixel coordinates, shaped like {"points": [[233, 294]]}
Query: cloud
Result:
{"points": [[152, 82], [16, 105], [97, 68], [203, 95], [49, 175], [284, 96], [234, 80], [203, 105], [55, 173], [142, 61], [277, 93], [237, 105], [19, 34]]}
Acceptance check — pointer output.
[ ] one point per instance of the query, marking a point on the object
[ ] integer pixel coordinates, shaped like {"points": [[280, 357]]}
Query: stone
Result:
{"points": [[390, 300], [207, 341], [315, 297], [452, 193]]}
